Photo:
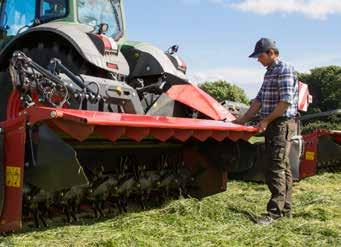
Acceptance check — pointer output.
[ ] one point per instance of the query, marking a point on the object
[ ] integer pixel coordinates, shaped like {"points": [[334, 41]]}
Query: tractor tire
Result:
{"points": [[5, 91], [42, 54]]}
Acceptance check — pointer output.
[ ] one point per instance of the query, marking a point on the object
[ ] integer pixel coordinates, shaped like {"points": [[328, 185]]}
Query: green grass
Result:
{"points": [[220, 220], [256, 139]]}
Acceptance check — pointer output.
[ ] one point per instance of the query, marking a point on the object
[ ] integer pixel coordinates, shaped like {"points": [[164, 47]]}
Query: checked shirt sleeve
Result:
{"points": [[287, 84], [259, 95]]}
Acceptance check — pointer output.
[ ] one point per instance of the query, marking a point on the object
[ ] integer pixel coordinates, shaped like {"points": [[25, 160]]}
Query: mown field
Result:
{"points": [[221, 220]]}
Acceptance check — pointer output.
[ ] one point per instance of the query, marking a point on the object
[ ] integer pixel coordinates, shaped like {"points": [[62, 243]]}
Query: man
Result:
{"points": [[277, 103]]}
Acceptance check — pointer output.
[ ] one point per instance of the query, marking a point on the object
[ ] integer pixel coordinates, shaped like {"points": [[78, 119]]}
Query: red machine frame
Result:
{"points": [[111, 126]]}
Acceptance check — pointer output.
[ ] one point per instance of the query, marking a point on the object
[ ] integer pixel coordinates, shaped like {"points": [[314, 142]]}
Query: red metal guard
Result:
{"points": [[81, 124]]}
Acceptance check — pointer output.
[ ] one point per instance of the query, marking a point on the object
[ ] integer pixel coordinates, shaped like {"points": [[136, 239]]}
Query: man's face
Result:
{"points": [[267, 58]]}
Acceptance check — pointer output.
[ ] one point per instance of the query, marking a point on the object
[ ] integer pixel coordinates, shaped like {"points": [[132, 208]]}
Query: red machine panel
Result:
{"points": [[203, 102], [308, 166], [15, 136]]}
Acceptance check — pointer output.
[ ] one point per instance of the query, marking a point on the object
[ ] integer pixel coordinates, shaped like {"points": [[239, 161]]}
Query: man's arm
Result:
{"points": [[278, 112], [250, 114]]}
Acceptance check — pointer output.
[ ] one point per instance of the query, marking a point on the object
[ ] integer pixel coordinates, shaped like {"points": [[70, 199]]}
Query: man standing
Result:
{"points": [[277, 103]]}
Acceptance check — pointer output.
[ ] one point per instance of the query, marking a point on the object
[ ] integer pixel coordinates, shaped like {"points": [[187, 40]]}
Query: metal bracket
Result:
{"points": [[2, 169]]}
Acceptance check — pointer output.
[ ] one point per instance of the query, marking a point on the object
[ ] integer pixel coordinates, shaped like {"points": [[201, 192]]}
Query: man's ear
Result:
{"points": [[271, 52]]}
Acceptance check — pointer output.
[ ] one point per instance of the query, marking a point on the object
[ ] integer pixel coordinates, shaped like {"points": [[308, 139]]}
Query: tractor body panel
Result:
{"points": [[146, 61]]}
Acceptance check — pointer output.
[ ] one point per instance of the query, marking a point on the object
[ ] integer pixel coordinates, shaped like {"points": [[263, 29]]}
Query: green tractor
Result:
{"points": [[88, 36]]}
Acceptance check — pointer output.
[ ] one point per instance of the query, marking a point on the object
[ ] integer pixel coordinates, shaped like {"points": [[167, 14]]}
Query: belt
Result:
{"points": [[285, 118]]}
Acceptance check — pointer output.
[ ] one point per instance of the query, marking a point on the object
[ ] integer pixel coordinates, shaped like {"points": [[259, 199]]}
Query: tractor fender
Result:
{"points": [[79, 36], [147, 60]]}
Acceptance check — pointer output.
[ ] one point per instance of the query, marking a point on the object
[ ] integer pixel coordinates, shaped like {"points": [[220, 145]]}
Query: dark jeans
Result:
{"points": [[278, 173]]}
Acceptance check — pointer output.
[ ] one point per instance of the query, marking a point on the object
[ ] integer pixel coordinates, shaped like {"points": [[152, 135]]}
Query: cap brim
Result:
{"points": [[255, 55]]}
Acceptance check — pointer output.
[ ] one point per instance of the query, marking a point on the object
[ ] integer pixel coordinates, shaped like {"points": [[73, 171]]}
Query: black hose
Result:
{"points": [[321, 114]]}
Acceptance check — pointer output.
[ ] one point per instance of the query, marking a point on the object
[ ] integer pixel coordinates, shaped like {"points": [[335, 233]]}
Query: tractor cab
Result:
{"points": [[18, 16]]}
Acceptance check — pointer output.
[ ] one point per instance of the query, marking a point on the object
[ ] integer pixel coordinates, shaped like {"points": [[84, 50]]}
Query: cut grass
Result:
{"points": [[220, 220]]}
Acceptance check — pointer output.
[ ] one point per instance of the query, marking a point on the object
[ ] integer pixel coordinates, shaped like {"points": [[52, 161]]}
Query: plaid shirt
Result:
{"points": [[280, 84]]}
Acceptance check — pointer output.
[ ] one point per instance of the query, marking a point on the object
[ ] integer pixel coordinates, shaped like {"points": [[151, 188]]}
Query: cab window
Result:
{"points": [[53, 9], [95, 12], [18, 15]]}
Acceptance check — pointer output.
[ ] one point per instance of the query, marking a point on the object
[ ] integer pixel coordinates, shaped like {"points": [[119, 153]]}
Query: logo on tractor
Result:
{"points": [[13, 175]]}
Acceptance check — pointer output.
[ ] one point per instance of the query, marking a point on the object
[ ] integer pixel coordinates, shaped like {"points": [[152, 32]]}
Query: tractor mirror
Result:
{"points": [[103, 28], [173, 49]]}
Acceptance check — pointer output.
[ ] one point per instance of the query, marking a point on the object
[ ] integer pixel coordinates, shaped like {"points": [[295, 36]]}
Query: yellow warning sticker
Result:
{"points": [[13, 176], [310, 155]]}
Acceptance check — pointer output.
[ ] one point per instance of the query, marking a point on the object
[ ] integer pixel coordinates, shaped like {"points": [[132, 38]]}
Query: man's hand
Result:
{"points": [[239, 121], [278, 112], [263, 125], [250, 114]]}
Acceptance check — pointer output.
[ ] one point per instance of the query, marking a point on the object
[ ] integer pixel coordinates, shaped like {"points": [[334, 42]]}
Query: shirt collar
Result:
{"points": [[273, 65]]}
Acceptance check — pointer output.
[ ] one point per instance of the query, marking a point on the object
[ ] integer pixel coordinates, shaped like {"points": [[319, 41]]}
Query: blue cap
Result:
{"points": [[262, 46]]}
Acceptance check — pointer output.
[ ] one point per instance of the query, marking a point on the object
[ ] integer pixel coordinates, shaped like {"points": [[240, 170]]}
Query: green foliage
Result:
{"points": [[325, 86], [220, 220], [222, 90]]}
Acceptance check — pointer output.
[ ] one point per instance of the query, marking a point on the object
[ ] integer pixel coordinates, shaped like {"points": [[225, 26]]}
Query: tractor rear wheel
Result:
{"points": [[10, 103]]}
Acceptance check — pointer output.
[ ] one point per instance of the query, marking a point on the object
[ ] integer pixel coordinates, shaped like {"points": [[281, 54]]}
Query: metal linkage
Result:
{"points": [[59, 86], [30, 77]]}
